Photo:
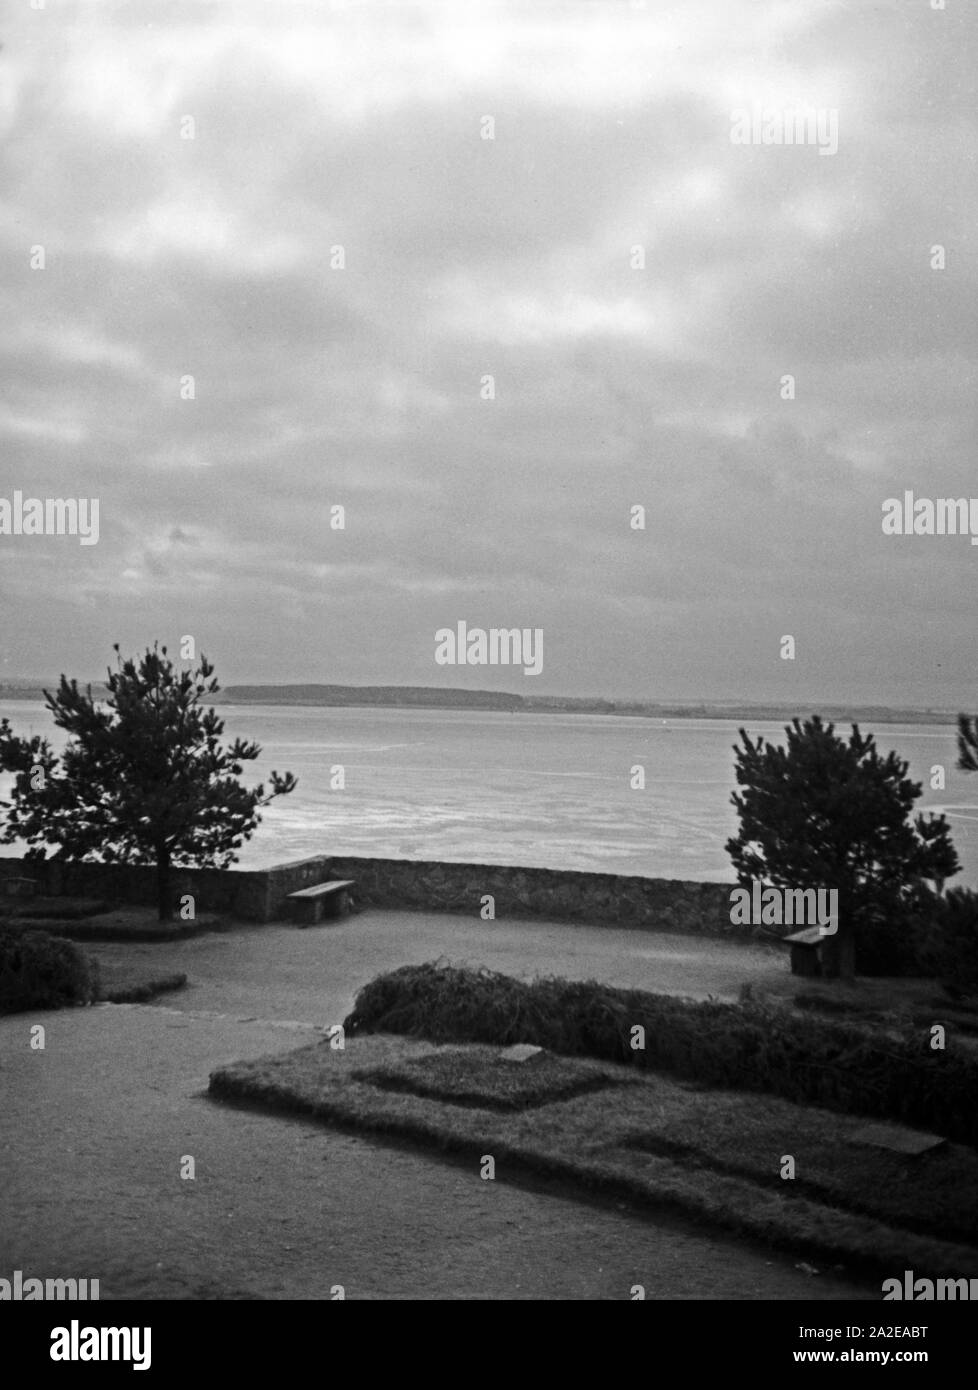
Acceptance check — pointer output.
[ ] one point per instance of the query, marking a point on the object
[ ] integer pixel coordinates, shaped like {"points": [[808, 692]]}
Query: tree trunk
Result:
{"points": [[164, 898]]}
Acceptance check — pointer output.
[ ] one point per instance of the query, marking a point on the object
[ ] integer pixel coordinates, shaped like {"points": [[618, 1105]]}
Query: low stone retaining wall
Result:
{"points": [[243, 893], [555, 894], [432, 886]]}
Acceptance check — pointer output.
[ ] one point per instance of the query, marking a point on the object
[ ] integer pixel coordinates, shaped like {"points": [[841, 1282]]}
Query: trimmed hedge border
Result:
{"points": [[802, 1057]]}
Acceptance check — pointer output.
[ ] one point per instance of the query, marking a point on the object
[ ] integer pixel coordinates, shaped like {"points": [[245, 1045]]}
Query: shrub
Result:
{"points": [[891, 943], [38, 971], [950, 950], [928, 933], [836, 1063]]}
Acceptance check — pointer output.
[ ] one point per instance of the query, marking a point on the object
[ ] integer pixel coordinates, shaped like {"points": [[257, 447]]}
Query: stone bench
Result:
{"points": [[806, 954], [322, 900]]}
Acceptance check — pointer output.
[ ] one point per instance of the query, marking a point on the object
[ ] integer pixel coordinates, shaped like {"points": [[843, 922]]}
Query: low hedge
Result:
{"points": [[836, 1063], [38, 971]]}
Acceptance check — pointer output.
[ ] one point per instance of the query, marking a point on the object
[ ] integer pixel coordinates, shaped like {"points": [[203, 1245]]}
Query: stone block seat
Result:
{"points": [[330, 899]]}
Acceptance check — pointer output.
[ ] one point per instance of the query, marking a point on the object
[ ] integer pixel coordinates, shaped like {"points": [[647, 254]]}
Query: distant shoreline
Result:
{"points": [[503, 702]]}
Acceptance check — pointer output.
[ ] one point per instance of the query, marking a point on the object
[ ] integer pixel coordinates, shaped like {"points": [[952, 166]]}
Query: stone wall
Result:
{"points": [[246, 894], [557, 895]]}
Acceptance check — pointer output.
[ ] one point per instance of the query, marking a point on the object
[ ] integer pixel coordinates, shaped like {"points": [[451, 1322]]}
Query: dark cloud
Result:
{"points": [[465, 258]]}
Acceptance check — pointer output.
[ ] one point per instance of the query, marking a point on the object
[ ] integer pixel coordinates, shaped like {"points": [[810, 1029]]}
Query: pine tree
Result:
{"points": [[143, 778], [826, 813]]}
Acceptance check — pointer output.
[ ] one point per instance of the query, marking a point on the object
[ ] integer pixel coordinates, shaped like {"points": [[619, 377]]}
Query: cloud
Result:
{"points": [[339, 259]]}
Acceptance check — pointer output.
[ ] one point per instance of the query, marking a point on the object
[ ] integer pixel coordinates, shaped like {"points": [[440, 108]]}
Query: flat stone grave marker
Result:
{"points": [[520, 1052], [897, 1138]]}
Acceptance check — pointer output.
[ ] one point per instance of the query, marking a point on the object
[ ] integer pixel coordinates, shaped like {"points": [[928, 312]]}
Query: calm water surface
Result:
{"points": [[548, 790]]}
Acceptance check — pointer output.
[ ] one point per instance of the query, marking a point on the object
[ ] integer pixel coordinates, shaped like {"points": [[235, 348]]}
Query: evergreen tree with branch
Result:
{"points": [[143, 779], [825, 812]]}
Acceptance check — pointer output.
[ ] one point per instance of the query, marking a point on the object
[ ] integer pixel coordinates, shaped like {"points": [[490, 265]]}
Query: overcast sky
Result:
{"points": [[362, 127]]}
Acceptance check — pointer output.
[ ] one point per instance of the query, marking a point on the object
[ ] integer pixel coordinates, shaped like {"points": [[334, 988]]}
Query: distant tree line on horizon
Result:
{"points": [[451, 697]]}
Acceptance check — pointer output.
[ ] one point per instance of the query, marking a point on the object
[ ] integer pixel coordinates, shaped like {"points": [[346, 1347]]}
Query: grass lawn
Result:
{"points": [[129, 972], [653, 1140], [475, 1076], [128, 980], [113, 924]]}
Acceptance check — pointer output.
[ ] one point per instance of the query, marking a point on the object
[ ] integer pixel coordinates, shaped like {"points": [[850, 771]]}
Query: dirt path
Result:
{"points": [[96, 1126]]}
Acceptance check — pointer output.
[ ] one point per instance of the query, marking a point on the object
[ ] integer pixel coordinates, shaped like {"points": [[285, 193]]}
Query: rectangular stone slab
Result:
{"points": [[520, 1052], [897, 1139]]}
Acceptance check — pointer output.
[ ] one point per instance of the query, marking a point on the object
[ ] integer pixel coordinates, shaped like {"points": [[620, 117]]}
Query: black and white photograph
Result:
{"points": [[488, 669]]}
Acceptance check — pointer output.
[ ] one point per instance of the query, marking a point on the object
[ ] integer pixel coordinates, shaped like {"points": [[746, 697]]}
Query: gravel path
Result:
{"points": [[96, 1126], [312, 974]]}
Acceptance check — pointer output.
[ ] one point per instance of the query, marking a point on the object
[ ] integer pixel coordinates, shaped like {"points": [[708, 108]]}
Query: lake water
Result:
{"points": [[547, 790]]}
